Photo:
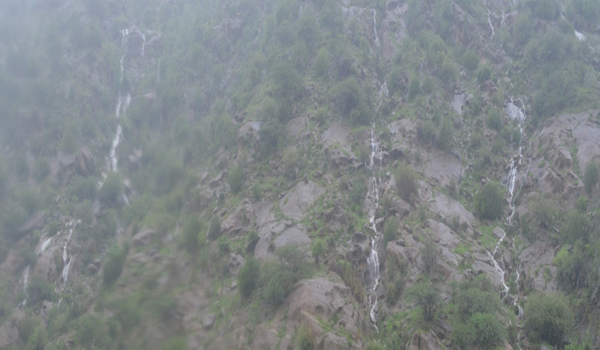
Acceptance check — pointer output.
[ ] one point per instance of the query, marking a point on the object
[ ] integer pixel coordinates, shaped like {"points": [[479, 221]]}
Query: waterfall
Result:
{"points": [[66, 259], [490, 23], [580, 36], [375, 28], [25, 280], [372, 204], [517, 113], [45, 245], [143, 43]]}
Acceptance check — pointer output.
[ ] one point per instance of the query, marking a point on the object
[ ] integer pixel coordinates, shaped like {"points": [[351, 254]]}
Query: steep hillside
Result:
{"points": [[296, 174]]}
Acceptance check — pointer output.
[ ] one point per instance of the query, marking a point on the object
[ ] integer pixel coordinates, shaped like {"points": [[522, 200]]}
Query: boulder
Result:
{"points": [[562, 159], [264, 338], [208, 321], [34, 222], [235, 262], [443, 167], [144, 237], [217, 180], [292, 236], [295, 204], [85, 162], [425, 341]]}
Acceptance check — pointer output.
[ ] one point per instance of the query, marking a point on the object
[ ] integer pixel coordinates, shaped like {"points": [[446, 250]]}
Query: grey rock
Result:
{"points": [[208, 321], [34, 222]]}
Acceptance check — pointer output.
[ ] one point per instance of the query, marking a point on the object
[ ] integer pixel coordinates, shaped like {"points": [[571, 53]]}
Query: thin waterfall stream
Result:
{"points": [[517, 113], [372, 204]]}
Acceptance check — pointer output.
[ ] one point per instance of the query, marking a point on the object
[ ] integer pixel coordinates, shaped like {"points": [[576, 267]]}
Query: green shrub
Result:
{"points": [[547, 318], [576, 227], [224, 244], [407, 183], [84, 188], [318, 249], [128, 313], [39, 290], [270, 134], [494, 121], [543, 211], [111, 190], [90, 332], [582, 204], [471, 60], [68, 144], [214, 229], [447, 72], [236, 178], [113, 266], [489, 331], [38, 339], [544, 9], [27, 326], [489, 201], [414, 89], [321, 64], [189, 234], [390, 230], [426, 297], [426, 132], [484, 73], [572, 268], [352, 101], [291, 162], [248, 277], [591, 176], [41, 169], [305, 339], [177, 343], [429, 255], [445, 137], [280, 277]]}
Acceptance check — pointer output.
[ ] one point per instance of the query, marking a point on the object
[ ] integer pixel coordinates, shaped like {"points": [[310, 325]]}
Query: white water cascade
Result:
{"points": [[25, 281], [372, 204], [66, 256], [375, 28], [580, 36], [517, 113], [490, 23]]}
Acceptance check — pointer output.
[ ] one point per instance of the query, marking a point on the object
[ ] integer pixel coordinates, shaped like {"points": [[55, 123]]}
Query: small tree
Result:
{"points": [[427, 298], [591, 176], [111, 190], [489, 201], [248, 276], [189, 234], [471, 60], [547, 318], [576, 227]]}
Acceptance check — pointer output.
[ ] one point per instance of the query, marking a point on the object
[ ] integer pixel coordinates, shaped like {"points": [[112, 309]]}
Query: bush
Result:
{"points": [[113, 266], [84, 188], [321, 64], [494, 121], [445, 136], [591, 176], [352, 101], [572, 267], [543, 211], [236, 178], [448, 72], [214, 229], [281, 277], [484, 73], [406, 181], [547, 318], [189, 234], [111, 190], [414, 89], [248, 276], [90, 332], [39, 338], [305, 339], [224, 244], [39, 290], [577, 227], [41, 169], [68, 143], [270, 133], [429, 255], [471, 60], [489, 201], [390, 231], [489, 331], [27, 326], [427, 298], [318, 249]]}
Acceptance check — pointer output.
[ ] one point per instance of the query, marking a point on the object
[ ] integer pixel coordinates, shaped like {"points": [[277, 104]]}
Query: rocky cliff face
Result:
{"points": [[342, 148]]}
